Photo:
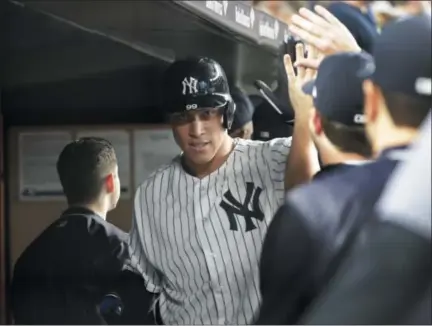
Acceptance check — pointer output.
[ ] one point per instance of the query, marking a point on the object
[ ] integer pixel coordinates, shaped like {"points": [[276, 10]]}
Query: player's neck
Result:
{"points": [[97, 208], [332, 156], [203, 170], [393, 137]]}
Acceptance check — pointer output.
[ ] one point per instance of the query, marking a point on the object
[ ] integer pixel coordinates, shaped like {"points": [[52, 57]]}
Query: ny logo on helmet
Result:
{"points": [[190, 85]]}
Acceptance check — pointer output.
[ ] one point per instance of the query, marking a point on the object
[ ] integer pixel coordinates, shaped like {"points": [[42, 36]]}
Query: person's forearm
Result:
{"points": [[302, 161]]}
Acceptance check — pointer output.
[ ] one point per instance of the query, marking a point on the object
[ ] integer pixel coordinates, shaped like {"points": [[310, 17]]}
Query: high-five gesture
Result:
{"points": [[323, 31], [302, 159], [301, 102]]}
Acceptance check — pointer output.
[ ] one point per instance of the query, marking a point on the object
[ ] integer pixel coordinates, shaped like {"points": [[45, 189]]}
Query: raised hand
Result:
{"points": [[302, 103], [323, 31]]}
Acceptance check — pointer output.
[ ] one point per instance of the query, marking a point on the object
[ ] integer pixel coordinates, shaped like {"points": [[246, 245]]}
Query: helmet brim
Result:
{"points": [[199, 102]]}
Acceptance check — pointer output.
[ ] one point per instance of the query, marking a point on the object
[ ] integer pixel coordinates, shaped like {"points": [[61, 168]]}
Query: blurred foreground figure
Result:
{"points": [[386, 278], [322, 220], [358, 17], [386, 11]]}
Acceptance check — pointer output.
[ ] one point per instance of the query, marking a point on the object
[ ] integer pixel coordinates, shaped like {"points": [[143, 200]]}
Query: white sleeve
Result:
{"points": [[275, 156], [139, 261]]}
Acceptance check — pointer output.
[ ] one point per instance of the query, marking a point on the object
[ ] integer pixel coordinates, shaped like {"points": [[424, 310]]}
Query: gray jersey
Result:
{"points": [[407, 197], [198, 241]]}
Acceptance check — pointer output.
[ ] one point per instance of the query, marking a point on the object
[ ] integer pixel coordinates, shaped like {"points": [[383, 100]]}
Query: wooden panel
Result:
{"points": [[2, 232]]}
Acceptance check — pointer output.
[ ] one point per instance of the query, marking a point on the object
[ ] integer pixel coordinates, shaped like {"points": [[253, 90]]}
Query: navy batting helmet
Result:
{"points": [[197, 83]]}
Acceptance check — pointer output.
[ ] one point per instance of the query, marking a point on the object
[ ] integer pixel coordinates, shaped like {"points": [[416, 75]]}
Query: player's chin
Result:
{"points": [[114, 203], [201, 157]]}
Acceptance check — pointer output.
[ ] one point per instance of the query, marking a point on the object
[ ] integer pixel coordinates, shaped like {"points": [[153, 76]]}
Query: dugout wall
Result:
{"points": [[79, 67]]}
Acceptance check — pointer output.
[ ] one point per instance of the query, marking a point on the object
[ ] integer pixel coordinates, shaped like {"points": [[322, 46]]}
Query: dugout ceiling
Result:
{"points": [[86, 57]]}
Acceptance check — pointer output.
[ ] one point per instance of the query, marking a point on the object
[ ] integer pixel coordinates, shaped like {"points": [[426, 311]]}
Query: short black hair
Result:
{"points": [[406, 110], [82, 166], [348, 139]]}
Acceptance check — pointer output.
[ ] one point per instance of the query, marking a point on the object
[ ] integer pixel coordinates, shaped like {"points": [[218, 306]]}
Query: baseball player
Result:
{"points": [[199, 221], [325, 219], [73, 272], [382, 283]]}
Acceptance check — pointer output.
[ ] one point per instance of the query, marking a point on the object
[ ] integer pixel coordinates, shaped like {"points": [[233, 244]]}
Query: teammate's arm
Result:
{"points": [[302, 162], [275, 154], [286, 267], [128, 286], [138, 260]]}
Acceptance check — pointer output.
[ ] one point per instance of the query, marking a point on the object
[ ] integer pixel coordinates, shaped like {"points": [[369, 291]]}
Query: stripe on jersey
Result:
{"points": [[205, 265]]}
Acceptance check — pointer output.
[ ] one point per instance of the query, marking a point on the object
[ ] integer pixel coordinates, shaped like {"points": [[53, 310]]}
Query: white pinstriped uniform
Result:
{"points": [[185, 245]]}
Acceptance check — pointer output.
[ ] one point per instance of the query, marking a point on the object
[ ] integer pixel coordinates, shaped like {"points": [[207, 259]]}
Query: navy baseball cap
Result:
{"points": [[402, 55], [337, 90], [244, 108]]}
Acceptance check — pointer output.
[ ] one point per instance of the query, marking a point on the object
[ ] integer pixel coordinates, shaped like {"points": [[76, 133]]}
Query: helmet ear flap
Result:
{"points": [[228, 117]]}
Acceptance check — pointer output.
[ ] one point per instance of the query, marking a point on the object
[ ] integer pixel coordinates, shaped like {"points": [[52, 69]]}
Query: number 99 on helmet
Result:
{"points": [[197, 83]]}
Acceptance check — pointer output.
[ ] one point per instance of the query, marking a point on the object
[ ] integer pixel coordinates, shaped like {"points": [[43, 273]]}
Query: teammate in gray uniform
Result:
{"points": [[406, 199], [199, 221]]}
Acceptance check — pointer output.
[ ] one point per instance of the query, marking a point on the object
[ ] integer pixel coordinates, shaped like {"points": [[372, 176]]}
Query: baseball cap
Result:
{"points": [[268, 124], [402, 55], [244, 108], [337, 90]]}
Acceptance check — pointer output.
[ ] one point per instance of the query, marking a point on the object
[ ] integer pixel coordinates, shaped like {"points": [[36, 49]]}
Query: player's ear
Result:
{"points": [[315, 122], [109, 183], [372, 97]]}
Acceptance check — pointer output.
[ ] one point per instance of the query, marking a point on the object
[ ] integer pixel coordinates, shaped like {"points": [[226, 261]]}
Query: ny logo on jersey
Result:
{"points": [[190, 85], [233, 207]]}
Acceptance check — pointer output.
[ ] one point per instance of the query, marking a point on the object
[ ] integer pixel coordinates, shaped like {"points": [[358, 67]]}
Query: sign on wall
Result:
{"points": [[153, 148], [38, 154]]}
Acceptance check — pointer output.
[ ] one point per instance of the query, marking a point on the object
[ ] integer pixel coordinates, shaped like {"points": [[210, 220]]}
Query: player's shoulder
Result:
{"points": [[321, 202], [156, 176], [371, 174], [275, 142], [330, 188], [282, 141]]}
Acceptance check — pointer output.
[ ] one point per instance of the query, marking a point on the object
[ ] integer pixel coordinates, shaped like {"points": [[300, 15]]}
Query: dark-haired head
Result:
{"points": [[88, 173], [398, 93]]}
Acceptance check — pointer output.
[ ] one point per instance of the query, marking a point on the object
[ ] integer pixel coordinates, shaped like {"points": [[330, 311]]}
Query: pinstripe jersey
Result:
{"points": [[198, 241]]}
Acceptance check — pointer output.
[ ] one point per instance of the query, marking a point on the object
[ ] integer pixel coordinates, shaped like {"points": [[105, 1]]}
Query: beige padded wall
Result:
{"points": [[28, 219]]}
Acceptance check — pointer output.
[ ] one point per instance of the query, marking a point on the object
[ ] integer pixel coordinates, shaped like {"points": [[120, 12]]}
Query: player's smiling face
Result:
{"points": [[199, 133]]}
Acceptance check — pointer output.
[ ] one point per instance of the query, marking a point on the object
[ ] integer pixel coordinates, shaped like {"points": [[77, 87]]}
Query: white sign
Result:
{"points": [[225, 6], [269, 31], [217, 7], [243, 19], [152, 148], [38, 154], [286, 35], [121, 141]]}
